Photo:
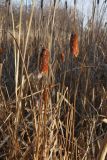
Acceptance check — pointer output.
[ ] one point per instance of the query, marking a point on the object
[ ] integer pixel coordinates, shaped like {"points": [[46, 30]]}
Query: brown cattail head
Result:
{"points": [[54, 2], [74, 2], [1, 55], [74, 48], [1, 50], [62, 57], [41, 4], [45, 95], [66, 5], [97, 2], [44, 61]]}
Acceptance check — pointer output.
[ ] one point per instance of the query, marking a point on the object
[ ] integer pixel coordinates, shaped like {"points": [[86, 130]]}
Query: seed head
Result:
{"points": [[45, 95], [1, 55], [66, 5], [1, 50], [74, 48], [97, 2], [62, 57], [74, 2], [44, 61], [41, 4]]}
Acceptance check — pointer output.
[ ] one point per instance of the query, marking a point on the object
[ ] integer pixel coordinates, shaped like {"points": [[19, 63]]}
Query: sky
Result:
{"points": [[80, 3], [84, 6]]}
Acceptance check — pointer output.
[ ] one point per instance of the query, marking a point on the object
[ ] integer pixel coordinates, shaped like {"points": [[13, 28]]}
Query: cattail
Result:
{"points": [[1, 62], [54, 3], [62, 57], [45, 95], [66, 6], [44, 61], [74, 48], [98, 2], [1, 55], [74, 2], [1, 50], [41, 4]]}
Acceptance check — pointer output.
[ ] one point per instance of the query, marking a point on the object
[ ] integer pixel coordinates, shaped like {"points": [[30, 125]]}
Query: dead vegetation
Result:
{"points": [[53, 88]]}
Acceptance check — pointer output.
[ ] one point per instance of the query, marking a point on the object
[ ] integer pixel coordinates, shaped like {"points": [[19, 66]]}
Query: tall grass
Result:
{"points": [[52, 102]]}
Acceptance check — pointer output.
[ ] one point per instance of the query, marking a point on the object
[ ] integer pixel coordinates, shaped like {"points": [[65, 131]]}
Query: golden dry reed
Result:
{"points": [[44, 61], [74, 47]]}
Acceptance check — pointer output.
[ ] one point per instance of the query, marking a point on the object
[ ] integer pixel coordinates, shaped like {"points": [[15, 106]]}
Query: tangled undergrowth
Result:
{"points": [[53, 84]]}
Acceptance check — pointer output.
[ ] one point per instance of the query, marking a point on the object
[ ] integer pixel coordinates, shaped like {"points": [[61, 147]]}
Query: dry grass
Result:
{"points": [[53, 104]]}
